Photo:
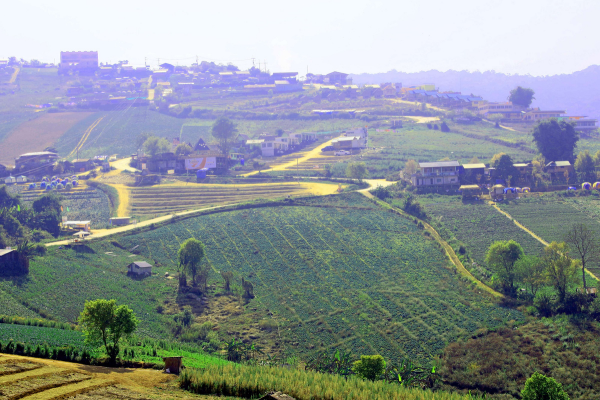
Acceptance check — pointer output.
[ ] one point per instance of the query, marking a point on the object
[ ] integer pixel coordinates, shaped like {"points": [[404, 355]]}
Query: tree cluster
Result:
{"points": [[562, 267]]}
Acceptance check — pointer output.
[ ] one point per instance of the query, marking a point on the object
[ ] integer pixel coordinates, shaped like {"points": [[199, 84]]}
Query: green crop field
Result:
{"points": [[358, 278], [10, 306], [79, 204], [477, 225], [37, 335], [60, 282]]}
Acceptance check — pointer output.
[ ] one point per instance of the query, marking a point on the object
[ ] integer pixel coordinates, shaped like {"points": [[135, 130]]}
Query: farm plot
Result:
{"points": [[60, 283], [36, 335], [364, 279], [81, 203], [550, 217], [478, 226], [37, 134], [166, 199], [36, 384]]}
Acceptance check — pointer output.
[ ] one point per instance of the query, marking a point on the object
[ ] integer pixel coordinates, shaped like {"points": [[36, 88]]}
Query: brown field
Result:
{"points": [[58, 380], [37, 134]]}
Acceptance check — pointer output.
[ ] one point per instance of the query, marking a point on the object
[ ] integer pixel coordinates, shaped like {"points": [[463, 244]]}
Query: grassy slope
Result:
{"points": [[363, 280], [499, 362], [60, 282], [35, 87]]}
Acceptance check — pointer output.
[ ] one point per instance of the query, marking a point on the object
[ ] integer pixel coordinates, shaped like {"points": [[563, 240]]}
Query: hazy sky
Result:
{"points": [[537, 37]]}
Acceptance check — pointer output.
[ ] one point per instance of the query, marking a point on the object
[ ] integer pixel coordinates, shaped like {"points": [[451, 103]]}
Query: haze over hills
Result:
{"points": [[576, 93]]}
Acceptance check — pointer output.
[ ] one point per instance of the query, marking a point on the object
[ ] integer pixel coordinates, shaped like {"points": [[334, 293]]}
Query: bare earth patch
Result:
{"points": [[37, 134]]}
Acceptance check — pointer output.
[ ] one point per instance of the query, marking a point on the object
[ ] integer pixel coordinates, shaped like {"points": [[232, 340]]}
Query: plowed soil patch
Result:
{"points": [[37, 134]]}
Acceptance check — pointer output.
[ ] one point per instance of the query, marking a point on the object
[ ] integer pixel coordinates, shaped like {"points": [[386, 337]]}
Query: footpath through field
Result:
{"points": [[305, 157], [13, 77], [536, 237], [447, 248]]}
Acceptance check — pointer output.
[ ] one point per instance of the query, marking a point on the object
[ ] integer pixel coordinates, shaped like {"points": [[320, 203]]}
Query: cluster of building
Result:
{"points": [[451, 173]]}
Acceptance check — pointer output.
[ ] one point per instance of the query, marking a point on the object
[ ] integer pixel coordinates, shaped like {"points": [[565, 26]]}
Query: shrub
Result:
{"points": [[428, 126], [444, 127], [369, 367], [541, 387], [435, 127], [543, 303]]}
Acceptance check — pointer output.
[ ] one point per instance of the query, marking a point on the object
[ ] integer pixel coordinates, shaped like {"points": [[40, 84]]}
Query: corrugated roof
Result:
{"points": [[5, 251], [559, 164], [473, 166], [438, 164], [142, 264], [521, 165]]}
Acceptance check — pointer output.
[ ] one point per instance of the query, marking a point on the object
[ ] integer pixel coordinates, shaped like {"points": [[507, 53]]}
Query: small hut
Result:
{"points": [[469, 191], [173, 365]]}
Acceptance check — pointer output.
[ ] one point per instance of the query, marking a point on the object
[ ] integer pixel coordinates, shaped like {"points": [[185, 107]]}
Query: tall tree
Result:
{"points": [[521, 96], [103, 322], [584, 245], [541, 387], [504, 166], [190, 256], [561, 269], [556, 140], [357, 170], [584, 165], [225, 132], [155, 145], [410, 168], [530, 271], [501, 258]]}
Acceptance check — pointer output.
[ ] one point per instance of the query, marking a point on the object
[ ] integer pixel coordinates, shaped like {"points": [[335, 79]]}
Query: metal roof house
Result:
{"points": [[139, 268], [437, 173]]}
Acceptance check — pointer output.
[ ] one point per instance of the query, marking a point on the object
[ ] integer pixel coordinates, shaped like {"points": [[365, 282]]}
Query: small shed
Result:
{"points": [[276, 396], [470, 191], [497, 190], [21, 179], [119, 221], [80, 225], [139, 268], [173, 365], [10, 180]]}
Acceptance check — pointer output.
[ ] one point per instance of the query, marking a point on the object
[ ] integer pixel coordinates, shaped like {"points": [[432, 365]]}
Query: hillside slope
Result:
{"points": [[577, 93]]}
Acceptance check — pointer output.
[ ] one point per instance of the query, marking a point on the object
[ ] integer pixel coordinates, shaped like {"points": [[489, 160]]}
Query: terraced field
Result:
{"points": [[166, 199], [333, 276], [34, 379]]}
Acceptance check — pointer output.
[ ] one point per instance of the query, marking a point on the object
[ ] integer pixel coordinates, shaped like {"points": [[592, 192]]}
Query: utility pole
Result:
{"points": [[145, 61], [252, 61], [265, 62]]}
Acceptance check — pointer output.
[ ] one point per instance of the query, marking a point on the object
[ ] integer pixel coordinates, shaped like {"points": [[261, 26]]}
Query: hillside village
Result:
{"points": [[379, 240]]}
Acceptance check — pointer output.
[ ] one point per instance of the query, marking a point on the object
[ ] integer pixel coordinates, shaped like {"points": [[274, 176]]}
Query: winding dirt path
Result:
{"points": [[536, 237]]}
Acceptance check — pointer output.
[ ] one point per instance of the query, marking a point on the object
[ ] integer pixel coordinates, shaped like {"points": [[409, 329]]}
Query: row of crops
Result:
{"points": [[82, 203], [361, 279], [479, 225], [35, 335], [60, 283], [168, 199]]}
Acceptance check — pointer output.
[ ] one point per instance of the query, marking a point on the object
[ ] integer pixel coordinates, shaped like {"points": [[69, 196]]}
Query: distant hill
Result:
{"points": [[577, 93]]}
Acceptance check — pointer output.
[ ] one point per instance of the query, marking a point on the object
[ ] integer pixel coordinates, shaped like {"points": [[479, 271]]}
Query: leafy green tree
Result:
{"points": [[410, 168], [584, 245], [183, 149], [501, 258], [556, 140], [521, 96], [7, 200], [155, 145], [369, 367], [585, 167], [103, 322], [529, 270], [357, 170], [597, 158], [504, 166], [561, 270], [279, 132], [225, 132], [541, 387], [444, 127], [141, 139], [189, 256]]}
